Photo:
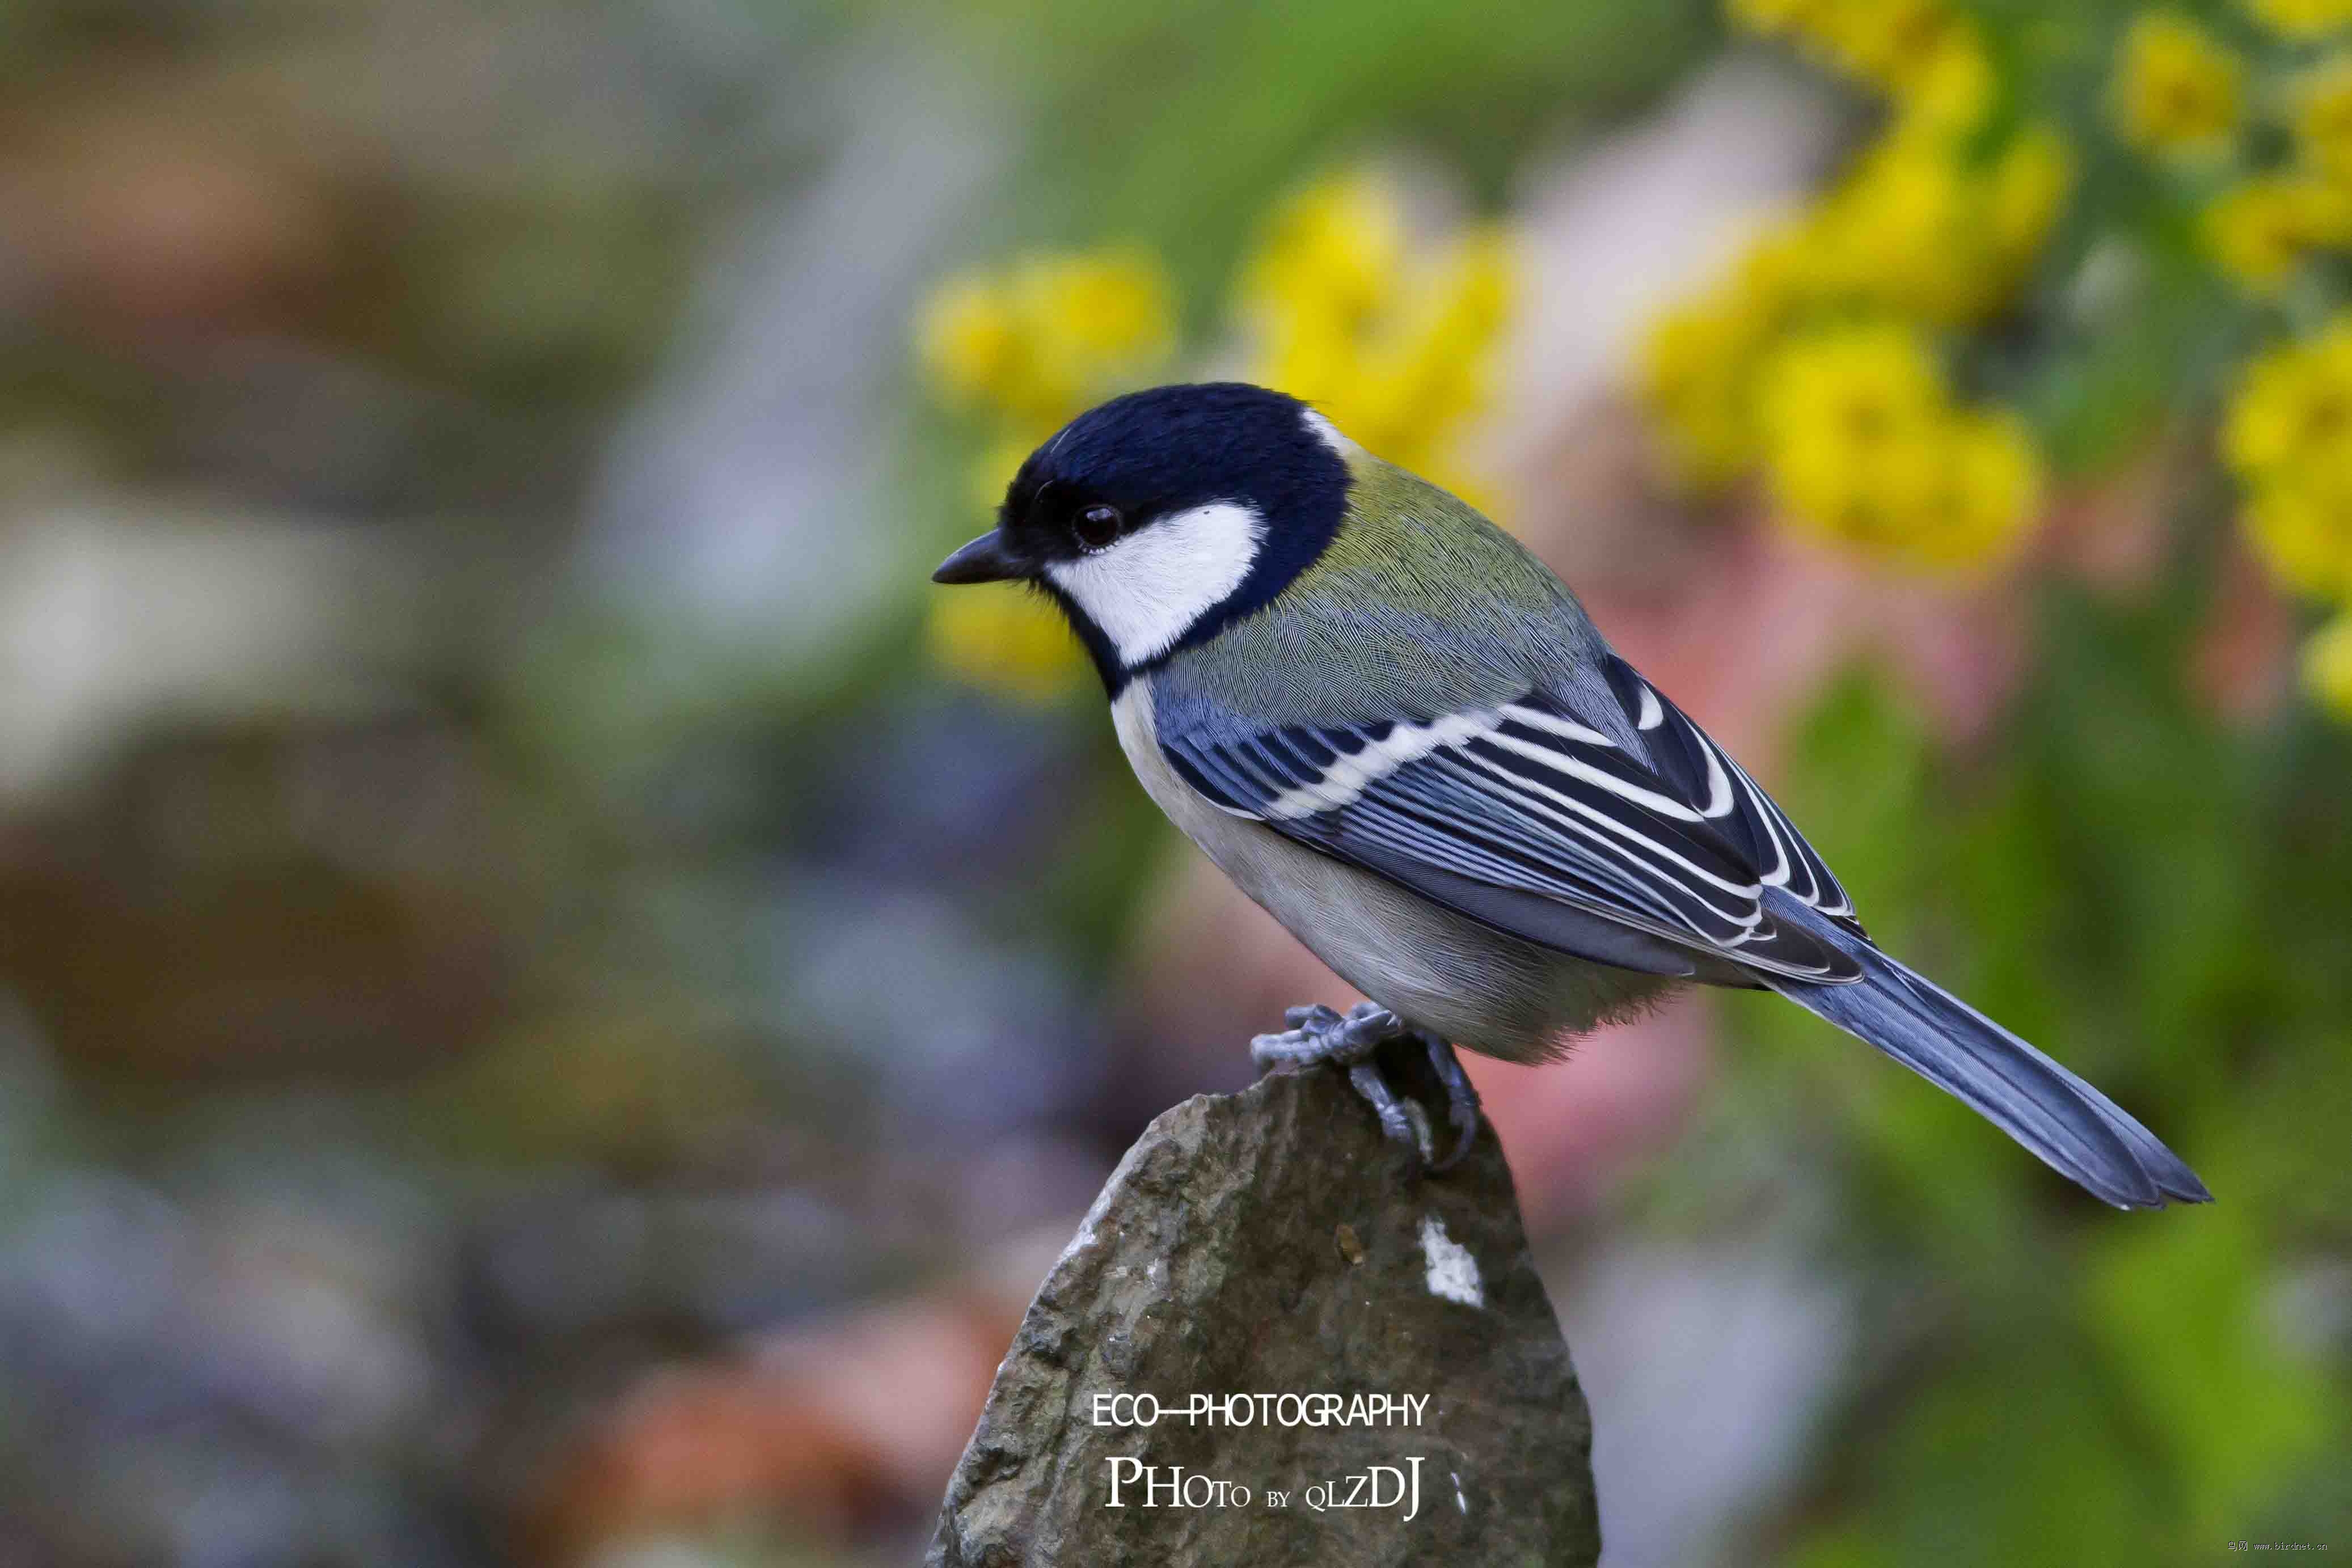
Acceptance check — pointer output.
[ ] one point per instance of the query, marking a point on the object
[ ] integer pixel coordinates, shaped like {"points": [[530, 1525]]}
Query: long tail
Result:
{"points": [[2068, 1125]]}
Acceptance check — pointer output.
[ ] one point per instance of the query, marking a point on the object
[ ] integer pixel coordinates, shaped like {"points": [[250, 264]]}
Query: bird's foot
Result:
{"points": [[1317, 1034]]}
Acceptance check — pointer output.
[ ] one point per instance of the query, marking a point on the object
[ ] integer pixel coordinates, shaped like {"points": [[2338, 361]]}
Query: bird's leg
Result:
{"points": [[1317, 1034], [1461, 1098]]}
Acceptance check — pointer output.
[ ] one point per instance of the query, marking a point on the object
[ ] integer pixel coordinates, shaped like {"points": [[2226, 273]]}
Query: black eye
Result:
{"points": [[1095, 526]]}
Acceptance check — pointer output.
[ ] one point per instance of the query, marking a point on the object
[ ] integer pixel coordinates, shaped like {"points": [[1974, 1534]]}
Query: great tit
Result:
{"points": [[1400, 733]]}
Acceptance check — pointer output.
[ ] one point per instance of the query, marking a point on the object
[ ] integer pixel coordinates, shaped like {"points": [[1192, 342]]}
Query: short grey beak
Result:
{"points": [[985, 559]]}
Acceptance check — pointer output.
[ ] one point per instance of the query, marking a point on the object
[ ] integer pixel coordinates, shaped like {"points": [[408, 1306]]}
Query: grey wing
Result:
{"points": [[1689, 759], [1531, 819]]}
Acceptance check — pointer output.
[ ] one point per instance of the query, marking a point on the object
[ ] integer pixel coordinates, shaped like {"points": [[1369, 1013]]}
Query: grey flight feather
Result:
{"points": [[2067, 1123]]}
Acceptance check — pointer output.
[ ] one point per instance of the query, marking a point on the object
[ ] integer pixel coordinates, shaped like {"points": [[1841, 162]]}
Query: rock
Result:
{"points": [[1254, 1247]]}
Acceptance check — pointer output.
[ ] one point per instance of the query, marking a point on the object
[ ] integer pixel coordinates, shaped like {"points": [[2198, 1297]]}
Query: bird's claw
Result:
{"points": [[1462, 1107], [1402, 1121], [1317, 1034]]}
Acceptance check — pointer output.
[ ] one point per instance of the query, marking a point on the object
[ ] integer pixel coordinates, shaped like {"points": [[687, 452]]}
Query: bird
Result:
{"points": [[1396, 730]]}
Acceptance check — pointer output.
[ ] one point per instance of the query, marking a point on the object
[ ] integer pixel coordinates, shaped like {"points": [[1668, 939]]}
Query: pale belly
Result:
{"points": [[1483, 990]]}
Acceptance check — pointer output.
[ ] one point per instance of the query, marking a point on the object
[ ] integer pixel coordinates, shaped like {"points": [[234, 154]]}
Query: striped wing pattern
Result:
{"points": [[1527, 798], [1689, 757]]}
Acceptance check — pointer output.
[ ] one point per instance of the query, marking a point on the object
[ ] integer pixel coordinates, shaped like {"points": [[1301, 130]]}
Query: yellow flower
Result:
{"points": [[1853, 427], [2327, 666], [2260, 231], [1917, 229], [1953, 88], [2301, 526], [2175, 90], [1779, 15], [1006, 641], [1431, 370], [2293, 407], [2301, 18], [1887, 41], [1697, 362], [1095, 320], [2028, 188], [2323, 117], [1775, 275], [2288, 437], [1860, 383], [967, 339], [1843, 415], [1896, 230], [1332, 258], [1399, 351], [1862, 447], [1039, 342], [1881, 41], [1986, 489]]}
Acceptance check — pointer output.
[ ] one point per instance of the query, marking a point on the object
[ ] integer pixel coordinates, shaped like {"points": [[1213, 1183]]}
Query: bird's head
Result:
{"points": [[1160, 517]]}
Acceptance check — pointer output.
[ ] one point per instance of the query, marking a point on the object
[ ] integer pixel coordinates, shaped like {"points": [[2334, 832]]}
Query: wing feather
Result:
{"points": [[1530, 799], [1689, 757]]}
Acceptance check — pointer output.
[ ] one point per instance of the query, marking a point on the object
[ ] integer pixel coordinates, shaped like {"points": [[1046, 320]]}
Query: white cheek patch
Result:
{"points": [[1147, 590]]}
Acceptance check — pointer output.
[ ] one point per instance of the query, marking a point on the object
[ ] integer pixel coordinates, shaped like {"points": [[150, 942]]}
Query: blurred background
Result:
{"points": [[556, 1000]]}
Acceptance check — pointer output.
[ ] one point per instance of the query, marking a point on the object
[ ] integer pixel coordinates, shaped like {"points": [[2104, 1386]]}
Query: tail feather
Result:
{"points": [[2068, 1125]]}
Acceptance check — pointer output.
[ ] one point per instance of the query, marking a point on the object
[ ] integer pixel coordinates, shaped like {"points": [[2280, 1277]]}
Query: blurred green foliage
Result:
{"points": [[2170, 897], [1179, 125]]}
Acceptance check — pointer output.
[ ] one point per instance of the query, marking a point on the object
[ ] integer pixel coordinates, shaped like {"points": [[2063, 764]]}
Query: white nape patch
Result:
{"points": [[1328, 435], [1146, 592], [1346, 778], [1452, 1272]]}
